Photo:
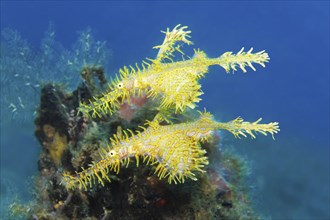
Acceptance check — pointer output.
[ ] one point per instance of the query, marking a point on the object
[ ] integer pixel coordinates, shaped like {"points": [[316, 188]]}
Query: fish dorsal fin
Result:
{"points": [[169, 45]]}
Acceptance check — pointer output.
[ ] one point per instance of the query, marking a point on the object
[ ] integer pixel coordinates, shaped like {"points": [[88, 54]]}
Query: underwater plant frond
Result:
{"points": [[174, 150]]}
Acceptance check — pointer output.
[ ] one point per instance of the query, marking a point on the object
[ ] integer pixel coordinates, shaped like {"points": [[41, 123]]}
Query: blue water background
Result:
{"points": [[290, 176]]}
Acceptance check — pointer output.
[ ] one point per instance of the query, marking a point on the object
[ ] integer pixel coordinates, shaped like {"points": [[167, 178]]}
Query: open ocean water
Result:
{"points": [[290, 176]]}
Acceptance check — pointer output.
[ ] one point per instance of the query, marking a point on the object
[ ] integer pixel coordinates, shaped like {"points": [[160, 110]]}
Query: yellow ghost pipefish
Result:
{"points": [[174, 150], [174, 83]]}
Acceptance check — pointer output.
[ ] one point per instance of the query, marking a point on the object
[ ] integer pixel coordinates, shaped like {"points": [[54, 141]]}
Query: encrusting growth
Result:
{"points": [[174, 150], [174, 83]]}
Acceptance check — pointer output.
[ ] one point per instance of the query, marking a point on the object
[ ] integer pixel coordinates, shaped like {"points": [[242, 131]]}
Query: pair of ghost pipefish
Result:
{"points": [[174, 150]]}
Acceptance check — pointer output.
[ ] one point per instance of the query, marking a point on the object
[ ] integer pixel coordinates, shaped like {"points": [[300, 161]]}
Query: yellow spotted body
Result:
{"points": [[173, 150], [175, 84]]}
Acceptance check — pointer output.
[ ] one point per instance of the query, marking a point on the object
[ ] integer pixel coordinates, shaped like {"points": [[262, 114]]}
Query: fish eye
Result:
{"points": [[120, 85], [112, 153]]}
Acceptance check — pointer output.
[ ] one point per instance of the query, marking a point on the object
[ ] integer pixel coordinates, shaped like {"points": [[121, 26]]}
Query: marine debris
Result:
{"points": [[92, 137]]}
